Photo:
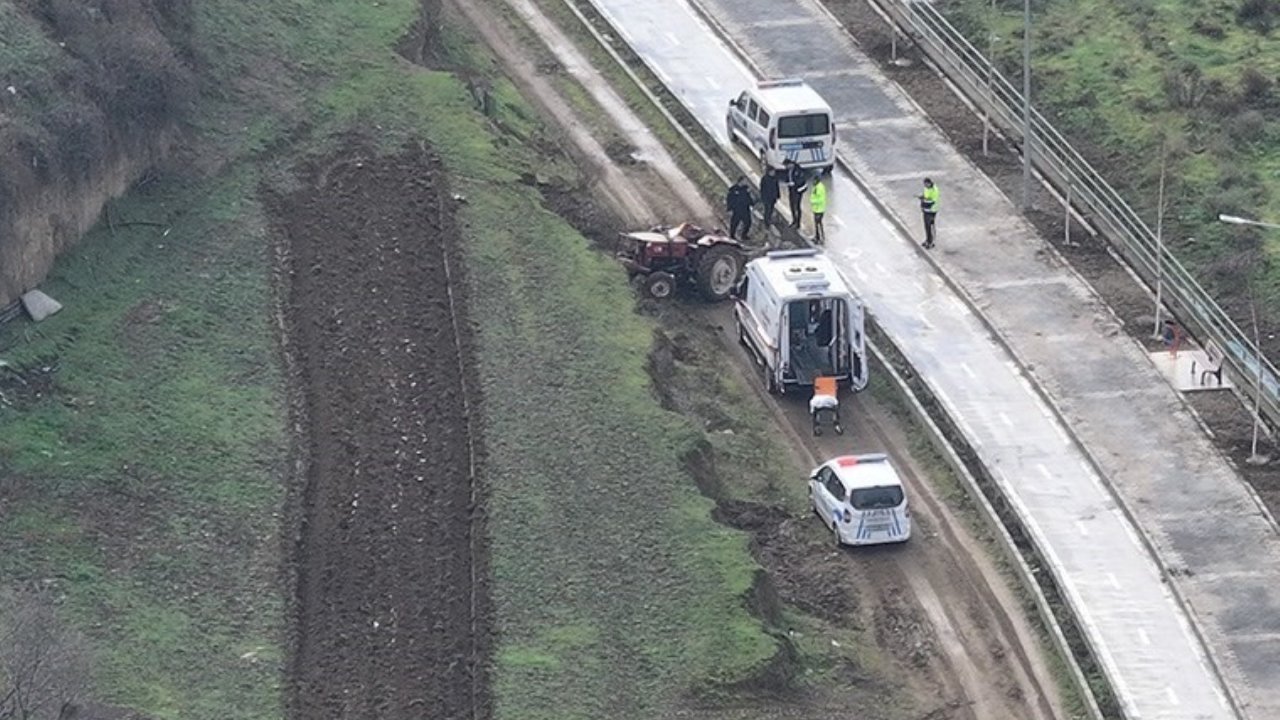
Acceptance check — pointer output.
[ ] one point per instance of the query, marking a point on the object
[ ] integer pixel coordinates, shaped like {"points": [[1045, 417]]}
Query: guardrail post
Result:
{"points": [[893, 42], [1066, 217]]}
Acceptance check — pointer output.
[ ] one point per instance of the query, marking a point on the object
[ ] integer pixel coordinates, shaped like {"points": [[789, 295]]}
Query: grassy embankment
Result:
{"points": [[1125, 77], [147, 484]]}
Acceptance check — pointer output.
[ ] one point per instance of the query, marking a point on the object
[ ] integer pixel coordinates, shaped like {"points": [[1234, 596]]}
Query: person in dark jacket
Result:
{"points": [[769, 192], [739, 202], [797, 181]]}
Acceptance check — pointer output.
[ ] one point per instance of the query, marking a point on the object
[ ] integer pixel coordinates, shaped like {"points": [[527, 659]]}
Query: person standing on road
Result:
{"points": [[795, 177], [769, 192], [929, 209], [818, 203], [739, 203]]}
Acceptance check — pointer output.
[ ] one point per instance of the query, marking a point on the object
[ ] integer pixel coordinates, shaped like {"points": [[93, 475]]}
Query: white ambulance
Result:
{"points": [[781, 119], [860, 497], [799, 319]]}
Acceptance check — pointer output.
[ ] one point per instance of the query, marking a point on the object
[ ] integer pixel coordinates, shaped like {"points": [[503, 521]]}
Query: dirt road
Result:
{"points": [[938, 606], [390, 598]]}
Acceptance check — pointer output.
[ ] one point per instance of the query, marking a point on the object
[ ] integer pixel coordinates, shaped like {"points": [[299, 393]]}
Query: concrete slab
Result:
{"points": [[857, 96], [39, 305], [1185, 370]]}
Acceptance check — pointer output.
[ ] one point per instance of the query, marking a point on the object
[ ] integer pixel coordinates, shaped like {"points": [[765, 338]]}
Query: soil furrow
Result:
{"points": [[386, 625]]}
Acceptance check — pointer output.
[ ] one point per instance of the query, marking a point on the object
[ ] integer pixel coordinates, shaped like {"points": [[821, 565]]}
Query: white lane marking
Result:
{"points": [[1173, 696], [1084, 531], [1028, 282], [665, 78], [1111, 578], [835, 220], [715, 84], [1044, 471], [916, 175], [1142, 635], [781, 22], [1005, 419], [880, 269], [968, 371], [671, 37]]}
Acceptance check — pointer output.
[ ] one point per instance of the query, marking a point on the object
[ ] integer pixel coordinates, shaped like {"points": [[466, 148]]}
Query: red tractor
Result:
{"points": [[664, 257]]}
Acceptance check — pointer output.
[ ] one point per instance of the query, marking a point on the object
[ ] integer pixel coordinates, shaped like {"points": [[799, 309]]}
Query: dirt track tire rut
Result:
{"points": [[390, 618]]}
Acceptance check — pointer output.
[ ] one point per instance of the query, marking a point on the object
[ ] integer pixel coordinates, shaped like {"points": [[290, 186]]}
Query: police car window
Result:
{"points": [[752, 109], [877, 497], [764, 118], [804, 125], [835, 487]]}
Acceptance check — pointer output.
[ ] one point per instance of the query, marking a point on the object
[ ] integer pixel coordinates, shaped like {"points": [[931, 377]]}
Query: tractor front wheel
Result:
{"points": [[660, 285], [718, 272]]}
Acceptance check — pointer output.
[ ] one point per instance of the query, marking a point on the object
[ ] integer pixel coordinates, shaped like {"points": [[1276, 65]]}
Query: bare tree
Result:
{"points": [[43, 664]]}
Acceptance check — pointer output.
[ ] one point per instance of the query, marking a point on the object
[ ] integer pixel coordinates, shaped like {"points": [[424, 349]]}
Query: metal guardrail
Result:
{"points": [[1067, 170]]}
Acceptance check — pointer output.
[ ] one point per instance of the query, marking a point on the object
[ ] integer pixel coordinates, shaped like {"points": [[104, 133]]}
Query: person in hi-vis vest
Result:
{"points": [[929, 209], [818, 203]]}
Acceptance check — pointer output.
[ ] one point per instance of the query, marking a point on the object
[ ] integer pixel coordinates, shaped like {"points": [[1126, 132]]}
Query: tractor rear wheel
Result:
{"points": [[718, 271], [660, 285]]}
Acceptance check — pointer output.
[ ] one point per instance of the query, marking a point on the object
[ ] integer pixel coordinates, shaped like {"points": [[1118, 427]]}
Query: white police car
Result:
{"points": [[861, 498]]}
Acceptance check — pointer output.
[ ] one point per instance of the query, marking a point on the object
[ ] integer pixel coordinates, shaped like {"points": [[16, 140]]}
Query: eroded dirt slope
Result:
{"points": [[390, 592]]}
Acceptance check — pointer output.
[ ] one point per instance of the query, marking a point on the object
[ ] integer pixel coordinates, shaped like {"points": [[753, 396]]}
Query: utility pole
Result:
{"points": [[991, 70], [1155, 331], [1027, 141], [1254, 458]]}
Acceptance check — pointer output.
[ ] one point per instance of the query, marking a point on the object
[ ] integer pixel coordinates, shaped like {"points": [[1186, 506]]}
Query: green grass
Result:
{"points": [[605, 556], [1110, 71], [153, 476], [27, 57], [148, 481]]}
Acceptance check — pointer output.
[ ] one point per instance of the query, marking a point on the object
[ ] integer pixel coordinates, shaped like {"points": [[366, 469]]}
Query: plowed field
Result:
{"points": [[390, 597]]}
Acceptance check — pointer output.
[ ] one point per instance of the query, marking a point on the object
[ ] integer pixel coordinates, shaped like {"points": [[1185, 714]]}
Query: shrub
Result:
{"points": [[1247, 127], [1258, 14], [1185, 86], [1209, 27], [1255, 87], [1221, 100]]}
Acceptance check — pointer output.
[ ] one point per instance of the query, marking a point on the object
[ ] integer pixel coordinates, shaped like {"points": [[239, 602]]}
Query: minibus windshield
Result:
{"points": [[888, 496], [795, 126]]}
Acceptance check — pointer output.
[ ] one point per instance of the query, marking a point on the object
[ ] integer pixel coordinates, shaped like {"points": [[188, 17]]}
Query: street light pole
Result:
{"points": [[1026, 105], [1155, 332], [991, 70], [1237, 220], [1254, 458]]}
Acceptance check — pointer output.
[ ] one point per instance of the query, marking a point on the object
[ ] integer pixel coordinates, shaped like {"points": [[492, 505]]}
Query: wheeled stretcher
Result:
{"points": [[825, 404]]}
